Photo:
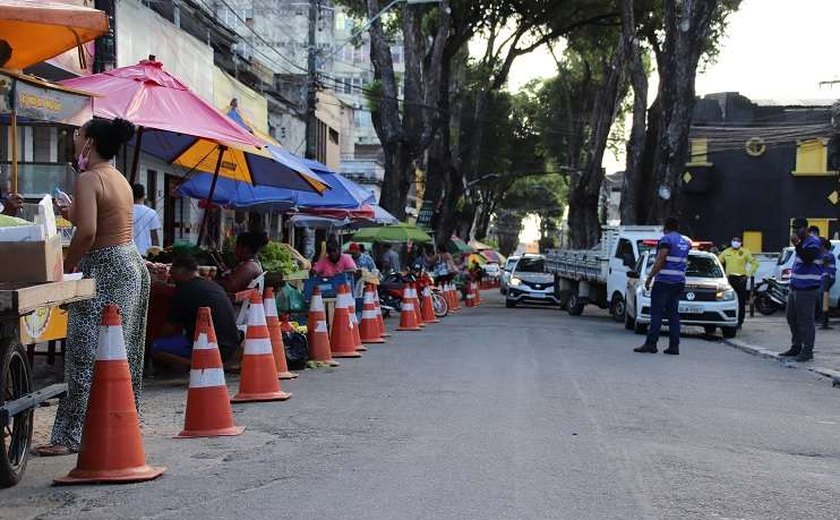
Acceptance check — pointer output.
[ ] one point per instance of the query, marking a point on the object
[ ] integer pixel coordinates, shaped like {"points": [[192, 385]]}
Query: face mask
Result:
{"points": [[736, 244], [82, 160]]}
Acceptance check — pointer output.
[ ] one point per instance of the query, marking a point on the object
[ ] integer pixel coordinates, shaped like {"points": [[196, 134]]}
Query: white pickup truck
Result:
{"points": [[599, 275]]}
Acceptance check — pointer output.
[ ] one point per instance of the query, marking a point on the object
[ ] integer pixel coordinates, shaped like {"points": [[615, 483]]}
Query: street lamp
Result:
{"points": [[378, 15]]}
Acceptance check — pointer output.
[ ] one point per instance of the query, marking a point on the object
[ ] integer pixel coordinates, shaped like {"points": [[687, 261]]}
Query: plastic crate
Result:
{"points": [[328, 286]]}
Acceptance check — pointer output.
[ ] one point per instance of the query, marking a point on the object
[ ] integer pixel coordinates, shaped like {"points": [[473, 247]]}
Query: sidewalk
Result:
{"points": [[768, 336]]}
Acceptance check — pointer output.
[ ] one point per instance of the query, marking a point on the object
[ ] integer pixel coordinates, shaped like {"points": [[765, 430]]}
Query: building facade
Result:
{"points": [[755, 165]]}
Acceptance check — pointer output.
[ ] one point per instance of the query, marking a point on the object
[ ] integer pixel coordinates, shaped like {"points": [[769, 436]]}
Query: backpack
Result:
{"points": [[297, 350]]}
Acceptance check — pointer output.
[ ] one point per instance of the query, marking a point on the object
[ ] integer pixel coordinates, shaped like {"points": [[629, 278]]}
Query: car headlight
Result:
{"points": [[726, 295], [515, 281]]}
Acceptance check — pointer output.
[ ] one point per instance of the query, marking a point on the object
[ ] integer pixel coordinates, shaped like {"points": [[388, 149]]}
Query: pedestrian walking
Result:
{"points": [[740, 265], [102, 248], [667, 278], [805, 291], [829, 276]]}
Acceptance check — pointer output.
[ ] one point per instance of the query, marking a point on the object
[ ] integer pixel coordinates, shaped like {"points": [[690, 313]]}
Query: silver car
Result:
{"points": [[529, 283], [504, 279]]}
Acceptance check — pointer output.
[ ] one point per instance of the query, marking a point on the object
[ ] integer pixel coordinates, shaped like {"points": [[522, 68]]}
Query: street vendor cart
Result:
{"points": [[17, 396]]}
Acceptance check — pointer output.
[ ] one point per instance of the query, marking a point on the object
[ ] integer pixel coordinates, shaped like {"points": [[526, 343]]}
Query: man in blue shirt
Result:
{"points": [[805, 291], [668, 279]]}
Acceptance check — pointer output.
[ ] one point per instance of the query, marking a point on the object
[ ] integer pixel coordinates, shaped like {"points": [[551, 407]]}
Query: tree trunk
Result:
{"points": [[636, 141], [687, 27], [584, 226]]}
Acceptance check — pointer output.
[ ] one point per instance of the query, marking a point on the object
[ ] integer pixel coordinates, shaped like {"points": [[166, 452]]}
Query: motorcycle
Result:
{"points": [[392, 286], [771, 296]]}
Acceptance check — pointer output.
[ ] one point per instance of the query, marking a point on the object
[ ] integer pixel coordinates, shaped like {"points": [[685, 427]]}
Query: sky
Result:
{"points": [[773, 49]]}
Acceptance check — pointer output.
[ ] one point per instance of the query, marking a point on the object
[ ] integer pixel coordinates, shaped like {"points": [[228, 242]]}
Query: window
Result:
{"points": [[624, 252], [812, 158], [753, 240], [531, 265], [699, 152], [42, 143], [333, 136]]}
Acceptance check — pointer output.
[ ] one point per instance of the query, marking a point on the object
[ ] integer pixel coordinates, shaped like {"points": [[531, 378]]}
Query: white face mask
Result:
{"points": [[736, 244]]}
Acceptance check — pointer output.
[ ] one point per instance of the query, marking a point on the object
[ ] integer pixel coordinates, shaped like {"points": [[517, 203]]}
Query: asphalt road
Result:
{"points": [[524, 413]]}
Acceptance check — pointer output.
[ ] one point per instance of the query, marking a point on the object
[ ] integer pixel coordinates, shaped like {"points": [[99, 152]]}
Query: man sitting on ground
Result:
{"points": [[193, 292]]}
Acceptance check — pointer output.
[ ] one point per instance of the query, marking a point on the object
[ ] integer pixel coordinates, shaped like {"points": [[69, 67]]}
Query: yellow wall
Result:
{"points": [[753, 240], [252, 105], [812, 158]]}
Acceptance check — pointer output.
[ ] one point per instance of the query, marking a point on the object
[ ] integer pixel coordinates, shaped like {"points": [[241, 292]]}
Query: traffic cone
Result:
{"points": [[380, 320], [318, 335], [454, 298], [369, 328], [477, 294], [275, 332], [427, 308], [258, 380], [208, 411], [470, 294], [415, 298], [342, 338], [351, 306], [408, 316], [112, 447]]}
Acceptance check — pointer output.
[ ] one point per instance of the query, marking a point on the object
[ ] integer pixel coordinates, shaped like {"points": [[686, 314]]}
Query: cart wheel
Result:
{"points": [[441, 308], [15, 437]]}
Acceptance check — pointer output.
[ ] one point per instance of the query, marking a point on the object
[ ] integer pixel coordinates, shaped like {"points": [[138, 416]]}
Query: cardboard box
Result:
{"points": [[32, 261]]}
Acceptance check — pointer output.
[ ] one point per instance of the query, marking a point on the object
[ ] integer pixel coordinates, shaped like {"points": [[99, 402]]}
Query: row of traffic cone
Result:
{"points": [[112, 447]]}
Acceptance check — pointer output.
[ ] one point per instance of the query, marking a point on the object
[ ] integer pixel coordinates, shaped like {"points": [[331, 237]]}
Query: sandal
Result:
{"points": [[53, 450]]}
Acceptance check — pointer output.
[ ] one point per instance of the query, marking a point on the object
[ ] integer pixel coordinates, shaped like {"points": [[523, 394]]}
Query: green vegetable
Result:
{"points": [[7, 221], [277, 259]]}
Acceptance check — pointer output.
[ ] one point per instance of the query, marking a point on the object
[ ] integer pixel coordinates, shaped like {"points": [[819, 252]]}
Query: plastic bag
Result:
{"points": [[297, 350], [290, 300]]}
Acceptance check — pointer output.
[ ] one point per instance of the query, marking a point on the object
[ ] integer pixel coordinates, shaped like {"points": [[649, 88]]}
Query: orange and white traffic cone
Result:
{"points": [[477, 293], [369, 328], [258, 380], [275, 332], [427, 308], [415, 298], [380, 320], [318, 334], [454, 297], [112, 447], [342, 339], [470, 294], [408, 315], [354, 318], [208, 404]]}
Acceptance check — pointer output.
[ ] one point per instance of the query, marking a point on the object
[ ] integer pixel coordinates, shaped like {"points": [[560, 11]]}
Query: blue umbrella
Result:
{"points": [[345, 194]]}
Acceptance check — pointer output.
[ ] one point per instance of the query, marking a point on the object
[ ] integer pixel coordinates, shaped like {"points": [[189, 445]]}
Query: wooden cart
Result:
{"points": [[17, 397]]}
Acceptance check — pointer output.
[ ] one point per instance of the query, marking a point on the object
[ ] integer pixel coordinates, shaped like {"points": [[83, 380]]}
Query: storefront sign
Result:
{"points": [[55, 106], [426, 215]]}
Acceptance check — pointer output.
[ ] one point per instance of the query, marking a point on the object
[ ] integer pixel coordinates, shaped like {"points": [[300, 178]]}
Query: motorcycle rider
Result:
{"points": [[739, 264]]}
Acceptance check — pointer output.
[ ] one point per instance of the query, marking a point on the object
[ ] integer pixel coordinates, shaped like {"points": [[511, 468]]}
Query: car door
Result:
{"points": [[633, 285], [622, 261]]}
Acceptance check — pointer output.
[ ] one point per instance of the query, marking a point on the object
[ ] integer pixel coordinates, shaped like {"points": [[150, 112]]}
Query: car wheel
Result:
{"points": [[629, 323], [640, 328], [510, 304], [729, 332], [574, 305], [710, 329], [618, 308]]}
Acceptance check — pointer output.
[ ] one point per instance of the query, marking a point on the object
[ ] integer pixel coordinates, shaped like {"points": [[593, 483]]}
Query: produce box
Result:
{"points": [[32, 253]]}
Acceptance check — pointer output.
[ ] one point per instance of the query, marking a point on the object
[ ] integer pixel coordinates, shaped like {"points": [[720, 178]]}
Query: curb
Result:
{"points": [[830, 373]]}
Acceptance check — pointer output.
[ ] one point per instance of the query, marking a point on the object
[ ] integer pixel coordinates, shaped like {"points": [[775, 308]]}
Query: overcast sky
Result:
{"points": [[774, 49]]}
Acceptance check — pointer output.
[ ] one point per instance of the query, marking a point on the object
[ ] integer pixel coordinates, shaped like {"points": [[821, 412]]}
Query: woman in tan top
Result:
{"points": [[102, 248]]}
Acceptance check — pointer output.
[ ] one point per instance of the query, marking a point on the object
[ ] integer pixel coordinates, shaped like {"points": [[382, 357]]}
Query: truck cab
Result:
{"points": [[708, 300]]}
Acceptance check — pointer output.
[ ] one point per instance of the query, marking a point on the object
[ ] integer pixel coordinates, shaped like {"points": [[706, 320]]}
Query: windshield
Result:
{"points": [[785, 255], [699, 266], [531, 265], [510, 263]]}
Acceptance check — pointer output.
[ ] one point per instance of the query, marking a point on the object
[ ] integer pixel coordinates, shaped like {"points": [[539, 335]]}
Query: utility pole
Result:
{"points": [[312, 85]]}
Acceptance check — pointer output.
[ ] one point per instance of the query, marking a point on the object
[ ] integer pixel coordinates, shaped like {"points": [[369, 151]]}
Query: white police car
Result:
{"points": [[708, 300]]}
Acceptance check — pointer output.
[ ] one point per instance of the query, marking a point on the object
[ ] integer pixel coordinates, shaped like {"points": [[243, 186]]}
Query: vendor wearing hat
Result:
{"points": [[805, 291], [362, 259]]}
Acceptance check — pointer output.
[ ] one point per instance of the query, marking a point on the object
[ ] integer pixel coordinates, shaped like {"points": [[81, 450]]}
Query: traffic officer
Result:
{"points": [[739, 264], [805, 291], [668, 279]]}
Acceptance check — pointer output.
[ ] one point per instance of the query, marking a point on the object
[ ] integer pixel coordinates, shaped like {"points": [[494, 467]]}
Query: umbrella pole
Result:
{"points": [[14, 132], [203, 226], [135, 161]]}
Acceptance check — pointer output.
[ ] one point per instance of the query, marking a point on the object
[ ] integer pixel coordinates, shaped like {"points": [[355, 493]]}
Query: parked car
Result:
{"points": [[784, 267], [504, 279], [708, 301], [530, 283]]}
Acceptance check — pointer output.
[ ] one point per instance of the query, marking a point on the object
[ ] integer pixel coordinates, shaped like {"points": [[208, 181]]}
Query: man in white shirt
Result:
{"points": [[146, 222]]}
